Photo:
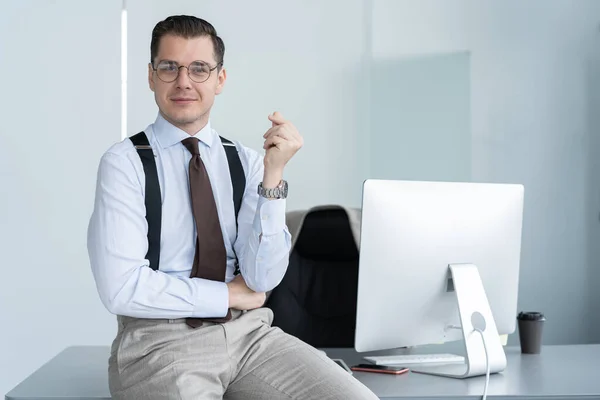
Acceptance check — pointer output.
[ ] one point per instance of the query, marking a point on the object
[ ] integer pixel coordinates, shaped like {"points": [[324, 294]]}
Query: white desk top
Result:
{"points": [[560, 372]]}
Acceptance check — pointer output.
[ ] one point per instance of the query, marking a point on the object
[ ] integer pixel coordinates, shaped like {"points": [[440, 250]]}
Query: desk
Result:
{"points": [[560, 372]]}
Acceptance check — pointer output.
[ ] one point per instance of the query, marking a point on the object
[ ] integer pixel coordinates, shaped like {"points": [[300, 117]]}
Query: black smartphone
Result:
{"points": [[383, 369]]}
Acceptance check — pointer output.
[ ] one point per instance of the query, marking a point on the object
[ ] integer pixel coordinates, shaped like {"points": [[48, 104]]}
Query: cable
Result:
{"points": [[487, 364]]}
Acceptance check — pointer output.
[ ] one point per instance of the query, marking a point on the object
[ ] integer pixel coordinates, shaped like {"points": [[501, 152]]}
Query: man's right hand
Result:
{"points": [[241, 297]]}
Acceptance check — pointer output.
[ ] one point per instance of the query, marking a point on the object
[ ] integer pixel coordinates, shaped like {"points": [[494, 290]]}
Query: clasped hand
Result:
{"points": [[241, 297]]}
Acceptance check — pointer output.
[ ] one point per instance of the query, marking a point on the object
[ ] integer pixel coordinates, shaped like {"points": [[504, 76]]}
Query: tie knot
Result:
{"points": [[191, 144]]}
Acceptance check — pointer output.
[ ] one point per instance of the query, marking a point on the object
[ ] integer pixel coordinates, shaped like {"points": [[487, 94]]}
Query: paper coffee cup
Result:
{"points": [[531, 327]]}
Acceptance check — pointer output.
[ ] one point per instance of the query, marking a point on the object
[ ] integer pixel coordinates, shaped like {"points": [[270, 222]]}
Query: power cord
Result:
{"points": [[487, 364]]}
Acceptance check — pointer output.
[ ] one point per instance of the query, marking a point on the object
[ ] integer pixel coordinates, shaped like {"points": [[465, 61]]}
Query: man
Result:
{"points": [[189, 325]]}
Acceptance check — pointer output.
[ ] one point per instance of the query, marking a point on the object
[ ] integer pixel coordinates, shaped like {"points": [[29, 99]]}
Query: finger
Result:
{"points": [[273, 141], [282, 133], [287, 130], [277, 118], [270, 131], [279, 130], [289, 127]]}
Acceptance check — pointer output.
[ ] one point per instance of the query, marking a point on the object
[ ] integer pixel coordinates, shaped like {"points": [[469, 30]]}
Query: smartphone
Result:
{"points": [[383, 369], [342, 364]]}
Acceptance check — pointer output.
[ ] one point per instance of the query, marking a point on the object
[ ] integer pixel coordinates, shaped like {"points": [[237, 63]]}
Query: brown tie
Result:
{"points": [[210, 260]]}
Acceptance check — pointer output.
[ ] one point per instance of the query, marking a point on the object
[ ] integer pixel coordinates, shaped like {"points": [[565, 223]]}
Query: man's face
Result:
{"points": [[184, 102]]}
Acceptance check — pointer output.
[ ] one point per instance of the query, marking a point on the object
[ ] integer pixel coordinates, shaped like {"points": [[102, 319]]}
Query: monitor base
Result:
{"points": [[477, 325]]}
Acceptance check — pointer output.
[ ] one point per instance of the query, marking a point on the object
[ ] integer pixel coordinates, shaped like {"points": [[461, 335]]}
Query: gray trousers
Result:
{"points": [[245, 358]]}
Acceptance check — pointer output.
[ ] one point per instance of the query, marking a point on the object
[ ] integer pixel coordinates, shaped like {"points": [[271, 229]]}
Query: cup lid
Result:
{"points": [[531, 316]]}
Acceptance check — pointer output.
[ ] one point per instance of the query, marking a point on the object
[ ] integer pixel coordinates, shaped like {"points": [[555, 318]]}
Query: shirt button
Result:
{"points": [[265, 217], [259, 259]]}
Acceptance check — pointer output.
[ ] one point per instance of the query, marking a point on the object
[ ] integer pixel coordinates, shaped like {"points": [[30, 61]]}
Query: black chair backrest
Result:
{"points": [[316, 300]]}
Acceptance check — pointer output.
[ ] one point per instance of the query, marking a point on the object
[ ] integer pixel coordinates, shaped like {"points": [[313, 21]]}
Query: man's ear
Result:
{"points": [[221, 78], [150, 77]]}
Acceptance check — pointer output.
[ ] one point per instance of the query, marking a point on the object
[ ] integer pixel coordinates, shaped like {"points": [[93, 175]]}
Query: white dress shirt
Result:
{"points": [[117, 233]]}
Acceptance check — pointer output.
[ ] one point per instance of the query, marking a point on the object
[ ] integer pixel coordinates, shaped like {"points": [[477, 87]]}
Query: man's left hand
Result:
{"points": [[282, 141]]}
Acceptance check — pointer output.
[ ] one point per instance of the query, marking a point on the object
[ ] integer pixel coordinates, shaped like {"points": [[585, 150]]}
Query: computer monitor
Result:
{"points": [[439, 262]]}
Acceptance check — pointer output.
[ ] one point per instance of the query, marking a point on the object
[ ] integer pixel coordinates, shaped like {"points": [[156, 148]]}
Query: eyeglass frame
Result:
{"points": [[210, 70]]}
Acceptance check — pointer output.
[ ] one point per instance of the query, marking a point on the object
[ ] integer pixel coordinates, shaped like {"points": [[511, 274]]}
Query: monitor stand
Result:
{"points": [[475, 313]]}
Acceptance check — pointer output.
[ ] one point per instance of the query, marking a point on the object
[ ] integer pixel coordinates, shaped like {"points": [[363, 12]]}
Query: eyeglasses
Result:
{"points": [[198, 71]]}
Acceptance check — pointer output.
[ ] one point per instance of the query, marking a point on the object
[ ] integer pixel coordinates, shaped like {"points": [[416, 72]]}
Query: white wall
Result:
{"points": [[531, 124], [305, 59], [60, 108], [420, 118], [592, 201]]}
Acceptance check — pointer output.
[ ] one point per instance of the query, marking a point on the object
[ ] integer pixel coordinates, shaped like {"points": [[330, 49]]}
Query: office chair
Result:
{"points": [[316, 300]]}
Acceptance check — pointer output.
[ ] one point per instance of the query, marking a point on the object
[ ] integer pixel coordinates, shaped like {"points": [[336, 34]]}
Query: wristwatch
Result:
{"points": [[278, 192]]}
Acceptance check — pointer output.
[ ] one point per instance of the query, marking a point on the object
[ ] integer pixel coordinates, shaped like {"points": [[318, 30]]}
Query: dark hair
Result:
{"points": [[188, 27]]}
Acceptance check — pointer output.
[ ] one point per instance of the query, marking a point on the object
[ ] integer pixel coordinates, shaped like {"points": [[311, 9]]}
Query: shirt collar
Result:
{"points": [[167, 134]]}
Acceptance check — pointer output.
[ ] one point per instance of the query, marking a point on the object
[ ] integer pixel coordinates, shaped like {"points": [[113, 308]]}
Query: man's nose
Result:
{"points": [[183, 79]]}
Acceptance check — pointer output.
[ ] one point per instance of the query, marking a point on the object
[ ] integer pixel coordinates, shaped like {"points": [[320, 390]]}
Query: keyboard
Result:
{"points": [[420, 359]]}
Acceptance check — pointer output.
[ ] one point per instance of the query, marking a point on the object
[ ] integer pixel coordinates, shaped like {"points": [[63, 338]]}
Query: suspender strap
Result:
{"points": [[152, 199], [238, 180], [238, 177]]}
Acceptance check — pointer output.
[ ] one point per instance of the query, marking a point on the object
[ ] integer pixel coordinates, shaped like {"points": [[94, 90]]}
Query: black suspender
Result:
{"points": [[238, 180], [238, 177], [153, 198]]}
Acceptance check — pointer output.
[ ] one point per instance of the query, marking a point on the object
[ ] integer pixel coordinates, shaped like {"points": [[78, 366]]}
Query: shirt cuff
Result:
{"points": [[270, 216], [213, 299]]}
